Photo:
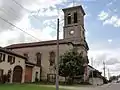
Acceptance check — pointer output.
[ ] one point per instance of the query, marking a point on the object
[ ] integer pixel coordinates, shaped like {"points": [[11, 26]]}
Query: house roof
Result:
{"points": [[11, 52], [94, 69], [34, 44]]}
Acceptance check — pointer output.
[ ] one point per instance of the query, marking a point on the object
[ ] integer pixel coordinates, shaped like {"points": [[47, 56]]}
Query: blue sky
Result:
{"points": [[97, 32], [38, 18]]}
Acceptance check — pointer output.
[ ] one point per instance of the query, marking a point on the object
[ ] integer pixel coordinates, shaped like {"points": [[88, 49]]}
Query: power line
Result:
{"points": [[24, 8], [29, 10], [6, 12], [17, 27]]}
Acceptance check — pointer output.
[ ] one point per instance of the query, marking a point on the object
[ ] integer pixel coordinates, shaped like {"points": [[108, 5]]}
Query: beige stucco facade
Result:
{"points": [[96, 81], [6, 66], [34, 70], [44, 50]]}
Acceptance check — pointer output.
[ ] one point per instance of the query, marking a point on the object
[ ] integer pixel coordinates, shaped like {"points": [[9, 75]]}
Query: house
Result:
{"points": [[41, 56], [12, 65], [95, 76]]}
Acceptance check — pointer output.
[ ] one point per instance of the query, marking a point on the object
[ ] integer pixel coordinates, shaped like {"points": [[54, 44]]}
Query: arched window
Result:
{"points": [[75, 17], [38, 56], [69, 19], [52, 58]]}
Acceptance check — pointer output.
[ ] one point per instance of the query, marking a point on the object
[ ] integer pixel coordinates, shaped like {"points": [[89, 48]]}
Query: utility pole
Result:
{"points": [[104, 68], [108, 74], [57, 61], [92, 70]]}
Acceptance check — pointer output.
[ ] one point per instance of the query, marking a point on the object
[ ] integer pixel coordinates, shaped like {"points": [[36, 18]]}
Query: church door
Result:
{"points": [[17, 74]]}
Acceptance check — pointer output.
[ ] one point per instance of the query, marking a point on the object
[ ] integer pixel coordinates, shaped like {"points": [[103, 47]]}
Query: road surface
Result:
{"points": [[110, 86]]}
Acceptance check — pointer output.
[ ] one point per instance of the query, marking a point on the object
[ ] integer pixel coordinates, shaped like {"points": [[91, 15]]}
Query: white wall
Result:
{"points": [[6, 66], [96, 81], [34, 70]]}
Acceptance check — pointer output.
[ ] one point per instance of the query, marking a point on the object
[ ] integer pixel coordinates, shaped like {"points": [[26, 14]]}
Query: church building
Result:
{"points": [[41, 56]]}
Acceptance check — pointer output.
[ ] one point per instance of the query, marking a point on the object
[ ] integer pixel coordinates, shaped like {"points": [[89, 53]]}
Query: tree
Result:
{"points": [[113, 78], [71, 64]]}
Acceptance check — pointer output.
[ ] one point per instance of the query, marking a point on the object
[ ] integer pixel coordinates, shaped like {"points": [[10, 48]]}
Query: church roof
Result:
{"points": [[34, 44], [11, 52], [74, 7]]}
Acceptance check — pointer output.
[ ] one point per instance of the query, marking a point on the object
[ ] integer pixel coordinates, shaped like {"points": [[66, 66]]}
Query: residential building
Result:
{"points": [[12, 65], [94, 76]]}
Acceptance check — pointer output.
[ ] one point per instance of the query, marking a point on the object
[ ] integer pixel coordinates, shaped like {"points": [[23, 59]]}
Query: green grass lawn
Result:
{"points": [[25, 87]]}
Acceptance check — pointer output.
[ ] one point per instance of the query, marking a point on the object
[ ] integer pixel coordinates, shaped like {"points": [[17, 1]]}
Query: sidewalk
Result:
{"points": [[82, 87], [79, 87]]}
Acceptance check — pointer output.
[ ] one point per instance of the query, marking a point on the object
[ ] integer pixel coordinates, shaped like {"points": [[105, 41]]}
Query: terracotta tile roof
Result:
{"points": [[34, 44], [11, 52]]}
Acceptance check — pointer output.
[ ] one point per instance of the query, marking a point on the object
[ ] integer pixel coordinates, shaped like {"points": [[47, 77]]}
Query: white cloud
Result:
{"points": [[109, 40], [19, 16], [115, 10], [17, 36], [113, 20], [104, 53], [110, 3], [103, 15], [112, 61]]}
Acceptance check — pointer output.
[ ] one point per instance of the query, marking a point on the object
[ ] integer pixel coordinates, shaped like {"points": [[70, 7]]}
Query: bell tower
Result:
{"points": [[74, 24]]}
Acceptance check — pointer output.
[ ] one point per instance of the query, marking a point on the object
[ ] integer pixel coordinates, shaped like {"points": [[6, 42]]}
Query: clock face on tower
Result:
{"points": [[72, 32]]}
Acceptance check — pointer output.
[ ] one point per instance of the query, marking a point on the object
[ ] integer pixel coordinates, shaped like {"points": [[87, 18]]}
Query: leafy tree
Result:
{"points": [[113, 78], [71, 64]]}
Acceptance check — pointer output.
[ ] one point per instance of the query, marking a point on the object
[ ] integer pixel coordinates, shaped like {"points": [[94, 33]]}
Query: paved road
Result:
{"points": [[111, 86]]}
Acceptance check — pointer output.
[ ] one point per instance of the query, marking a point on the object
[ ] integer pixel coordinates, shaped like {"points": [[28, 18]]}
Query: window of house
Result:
{"points": [[52, 58], [38, 56], [69, 19], [2, 57], [9, 58], [75, 17], [13, 60]]}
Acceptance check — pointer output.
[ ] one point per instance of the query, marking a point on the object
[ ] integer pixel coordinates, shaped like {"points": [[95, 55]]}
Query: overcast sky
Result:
{"points": [[38, 18]]}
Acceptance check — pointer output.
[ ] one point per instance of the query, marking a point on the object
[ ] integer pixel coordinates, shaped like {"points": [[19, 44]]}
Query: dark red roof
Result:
{"points": [[34, 44], [11, 52]]}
